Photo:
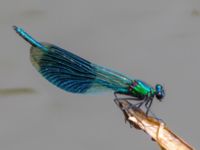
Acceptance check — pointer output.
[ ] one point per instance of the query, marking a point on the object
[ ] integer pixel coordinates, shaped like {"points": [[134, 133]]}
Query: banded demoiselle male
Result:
{"points": [[77, 75]]}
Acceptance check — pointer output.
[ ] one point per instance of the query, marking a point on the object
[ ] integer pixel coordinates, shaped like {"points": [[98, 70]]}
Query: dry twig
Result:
{"points": [[165, 138]]}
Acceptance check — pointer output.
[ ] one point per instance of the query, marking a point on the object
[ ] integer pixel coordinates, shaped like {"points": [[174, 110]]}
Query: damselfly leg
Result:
{"points": [[147, 103], [137, 105]]}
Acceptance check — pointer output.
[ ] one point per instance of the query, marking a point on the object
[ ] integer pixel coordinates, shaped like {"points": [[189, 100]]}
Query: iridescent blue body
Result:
{"points": [[77, 75]]}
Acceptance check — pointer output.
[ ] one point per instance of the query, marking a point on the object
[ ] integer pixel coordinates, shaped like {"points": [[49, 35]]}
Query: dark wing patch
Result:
{"points": [[64, 69], [75, 74]]}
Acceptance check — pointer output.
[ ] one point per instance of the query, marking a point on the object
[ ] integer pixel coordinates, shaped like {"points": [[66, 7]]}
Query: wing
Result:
{"points": [[75, 74]]}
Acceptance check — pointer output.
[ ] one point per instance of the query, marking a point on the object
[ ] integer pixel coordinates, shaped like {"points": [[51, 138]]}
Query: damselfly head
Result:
{"points": [[160, 92]]}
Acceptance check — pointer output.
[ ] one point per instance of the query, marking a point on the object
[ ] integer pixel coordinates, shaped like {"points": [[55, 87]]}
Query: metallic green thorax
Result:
{"points": [[141, 89]]}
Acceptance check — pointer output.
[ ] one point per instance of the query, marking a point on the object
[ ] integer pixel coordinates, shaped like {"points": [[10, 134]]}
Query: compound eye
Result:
{"points": [[160, 93]]}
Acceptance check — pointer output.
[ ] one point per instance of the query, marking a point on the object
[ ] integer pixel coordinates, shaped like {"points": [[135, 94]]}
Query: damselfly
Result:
{"points": [[77, 75]]}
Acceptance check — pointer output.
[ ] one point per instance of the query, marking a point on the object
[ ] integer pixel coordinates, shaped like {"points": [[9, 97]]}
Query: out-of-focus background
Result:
{"points": [[153, 40]]}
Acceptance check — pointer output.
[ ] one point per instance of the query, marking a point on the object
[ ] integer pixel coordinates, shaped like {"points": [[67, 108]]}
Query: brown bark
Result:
{"points": [[158, 130]]}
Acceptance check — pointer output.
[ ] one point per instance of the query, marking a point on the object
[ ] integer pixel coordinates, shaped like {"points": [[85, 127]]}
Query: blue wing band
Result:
{"points": [[71, 72], [64, 69]]}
